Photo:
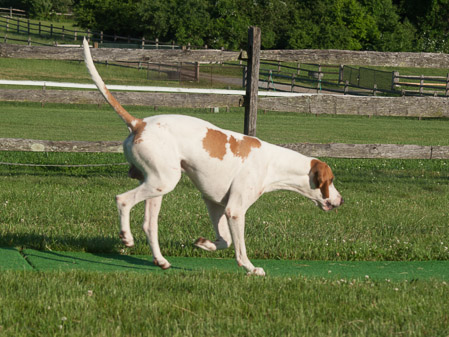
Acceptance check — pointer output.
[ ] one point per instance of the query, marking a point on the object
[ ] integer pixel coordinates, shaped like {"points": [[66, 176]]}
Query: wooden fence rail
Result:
{"points": [[115, 54], [349, 80], [26, 27], [334, 150], [407, 106], [361, 58], [13, 11]]}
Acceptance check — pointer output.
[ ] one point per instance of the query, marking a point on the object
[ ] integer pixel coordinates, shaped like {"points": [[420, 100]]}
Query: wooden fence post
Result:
{"points": [[421, 85], [252, 84], [340, 73], [244, 76], [447, 85], [395, 80], [197, 71]]}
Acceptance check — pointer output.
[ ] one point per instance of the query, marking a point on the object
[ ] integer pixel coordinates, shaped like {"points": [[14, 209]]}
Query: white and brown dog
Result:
{"points": [[231, 171]]}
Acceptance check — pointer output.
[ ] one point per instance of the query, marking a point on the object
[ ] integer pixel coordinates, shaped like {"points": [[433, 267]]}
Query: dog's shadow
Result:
{"points": [[100, 253]]}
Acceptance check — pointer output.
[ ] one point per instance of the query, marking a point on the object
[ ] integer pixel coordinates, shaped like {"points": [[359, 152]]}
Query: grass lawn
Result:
{"points": [[394, 210], [216, 304], [76, 72], [94, 123]]}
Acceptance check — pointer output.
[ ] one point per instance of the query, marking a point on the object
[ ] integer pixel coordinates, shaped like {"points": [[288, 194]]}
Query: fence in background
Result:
{"points": [[11, 12], [349, 80], [64, 35], [316, 104], [280, 76]]}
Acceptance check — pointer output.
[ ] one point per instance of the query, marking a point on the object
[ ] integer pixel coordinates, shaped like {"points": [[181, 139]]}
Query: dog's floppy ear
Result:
{"points": [[322, 176]]}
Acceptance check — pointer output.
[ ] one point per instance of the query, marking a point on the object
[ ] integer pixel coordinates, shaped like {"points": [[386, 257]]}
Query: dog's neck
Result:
{"points": [[289, 170]]}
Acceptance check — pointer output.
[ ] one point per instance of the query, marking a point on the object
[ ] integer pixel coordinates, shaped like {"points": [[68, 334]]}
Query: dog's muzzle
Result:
{"points": [[328, 206]]}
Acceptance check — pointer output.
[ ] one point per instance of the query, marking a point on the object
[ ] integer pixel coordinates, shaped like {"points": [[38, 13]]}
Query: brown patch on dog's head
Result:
{"points": [[215, 143], [322, 176], [242, 148]]}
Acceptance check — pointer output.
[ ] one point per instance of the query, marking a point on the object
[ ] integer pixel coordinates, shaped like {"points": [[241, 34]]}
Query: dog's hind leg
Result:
{"points": [[152, 187], [150, 227], [223, 237]]}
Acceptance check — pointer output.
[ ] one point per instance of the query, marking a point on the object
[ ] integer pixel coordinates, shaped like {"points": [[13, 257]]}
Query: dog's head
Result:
{"points": [[321, 181]]}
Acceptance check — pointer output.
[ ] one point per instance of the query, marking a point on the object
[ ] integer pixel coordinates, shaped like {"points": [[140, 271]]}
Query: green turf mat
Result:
{"points": [[403, 270], [11, 259]]}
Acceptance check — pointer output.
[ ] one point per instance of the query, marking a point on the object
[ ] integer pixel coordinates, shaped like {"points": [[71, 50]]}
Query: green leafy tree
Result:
{"points": [[155, 19], [191, 22], [111, 16], [230, 20], [435, 27], [331, 24], [390, 34], [39, 8]]}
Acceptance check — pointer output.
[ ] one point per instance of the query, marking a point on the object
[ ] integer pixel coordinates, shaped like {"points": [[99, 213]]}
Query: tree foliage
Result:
{"points": [[383, 25]]}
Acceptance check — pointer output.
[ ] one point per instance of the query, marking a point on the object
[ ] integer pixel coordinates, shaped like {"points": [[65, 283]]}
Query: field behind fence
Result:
{"points": [[314, 104]]}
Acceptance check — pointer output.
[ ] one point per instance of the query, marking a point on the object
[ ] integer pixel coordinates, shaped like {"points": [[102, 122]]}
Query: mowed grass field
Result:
{"points": [[394, 210]]}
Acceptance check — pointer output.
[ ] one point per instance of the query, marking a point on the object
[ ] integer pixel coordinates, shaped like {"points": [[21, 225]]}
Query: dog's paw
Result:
{"points": [[163, 264], [127, 239], [205, 244], [257, 271]]}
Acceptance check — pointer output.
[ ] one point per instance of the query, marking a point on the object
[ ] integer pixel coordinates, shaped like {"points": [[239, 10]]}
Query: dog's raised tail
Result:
{"points": [[133, 123]]}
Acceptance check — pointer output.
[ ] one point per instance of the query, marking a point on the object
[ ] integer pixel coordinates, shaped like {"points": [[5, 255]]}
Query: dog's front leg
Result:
{"points": [[236, 222], [150, 227], [223, 236]]}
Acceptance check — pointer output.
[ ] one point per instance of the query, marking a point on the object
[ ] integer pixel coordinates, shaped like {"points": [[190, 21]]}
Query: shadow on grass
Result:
{"points": [[93, 253], [96, 262], [94, 244]]}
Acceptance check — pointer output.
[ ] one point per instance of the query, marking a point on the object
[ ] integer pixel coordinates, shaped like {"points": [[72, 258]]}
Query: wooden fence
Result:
{"points": [[316, 104], [65, 35], [11, 12], [365, 58], [335, 150], [349, 80], [420, 107]]}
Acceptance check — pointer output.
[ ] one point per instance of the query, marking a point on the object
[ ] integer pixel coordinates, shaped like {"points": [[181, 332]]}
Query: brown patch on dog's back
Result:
{"points": [[242, 148], [215, 143], [322, 176]]}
